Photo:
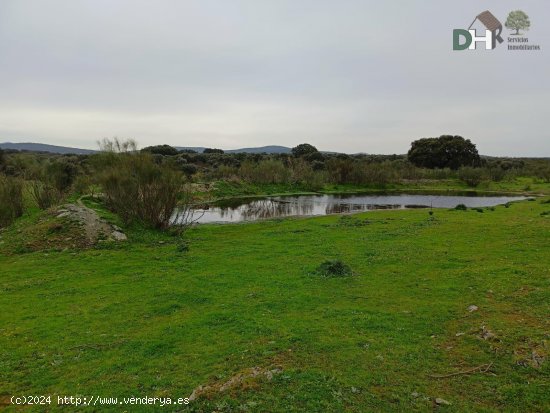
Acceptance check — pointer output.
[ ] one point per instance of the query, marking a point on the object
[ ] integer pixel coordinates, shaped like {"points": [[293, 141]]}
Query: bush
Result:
{"points": [[334, 268], [265, 172], [188, 168], [470, 176], [138, 189], [461, 207], [379, 173], [60, 173], [11, 200]]}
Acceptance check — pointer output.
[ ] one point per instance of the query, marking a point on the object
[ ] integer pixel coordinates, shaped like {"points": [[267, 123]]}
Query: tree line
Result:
{"points": [[146, 185]]}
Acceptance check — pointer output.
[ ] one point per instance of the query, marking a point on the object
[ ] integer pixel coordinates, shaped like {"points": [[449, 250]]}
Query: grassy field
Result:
{"points": [[145, 318]]}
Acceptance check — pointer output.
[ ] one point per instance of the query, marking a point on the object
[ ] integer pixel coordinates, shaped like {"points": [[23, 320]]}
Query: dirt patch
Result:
{"points": [[239, 380], [531, 353]]}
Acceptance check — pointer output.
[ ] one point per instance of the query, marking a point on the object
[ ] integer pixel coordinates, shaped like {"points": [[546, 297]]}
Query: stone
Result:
{"points": [[119, 236], [442, 402], [473, 308]]}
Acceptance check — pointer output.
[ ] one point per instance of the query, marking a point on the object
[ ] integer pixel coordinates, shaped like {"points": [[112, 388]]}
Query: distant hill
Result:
{"points": [[42, 147], [261, 149]]}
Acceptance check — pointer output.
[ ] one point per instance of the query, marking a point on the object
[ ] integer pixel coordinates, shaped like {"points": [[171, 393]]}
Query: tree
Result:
{"points": [[304, 149], [213, 150], [447, 151], [166, 150], [517, 20]]}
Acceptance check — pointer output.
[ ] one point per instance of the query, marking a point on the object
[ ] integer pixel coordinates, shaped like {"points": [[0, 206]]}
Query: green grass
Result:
{"points": [[142, 318]]}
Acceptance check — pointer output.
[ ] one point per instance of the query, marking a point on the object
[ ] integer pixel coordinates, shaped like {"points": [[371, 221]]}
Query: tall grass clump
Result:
{"points": [[11, 200], [269, 171], [44, 194]]}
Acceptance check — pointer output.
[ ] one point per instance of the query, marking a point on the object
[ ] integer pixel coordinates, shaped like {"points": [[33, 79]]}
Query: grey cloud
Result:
{"points": [[347, 75]]}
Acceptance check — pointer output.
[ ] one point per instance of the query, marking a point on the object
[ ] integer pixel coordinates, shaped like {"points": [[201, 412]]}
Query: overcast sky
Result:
{"points": [[344, 75]]}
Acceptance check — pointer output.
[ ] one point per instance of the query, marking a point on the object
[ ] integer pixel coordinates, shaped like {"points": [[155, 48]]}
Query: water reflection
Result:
{"points": [[236, 210]]}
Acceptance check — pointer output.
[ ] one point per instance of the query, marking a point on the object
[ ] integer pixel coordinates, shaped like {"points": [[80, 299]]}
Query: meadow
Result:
{"points": [[149, 318]]}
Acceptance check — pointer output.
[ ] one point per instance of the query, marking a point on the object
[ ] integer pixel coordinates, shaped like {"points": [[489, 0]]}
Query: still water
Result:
{"points": [[252, 209]]}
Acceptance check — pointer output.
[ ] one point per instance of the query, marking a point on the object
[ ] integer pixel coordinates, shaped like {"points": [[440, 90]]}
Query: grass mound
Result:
{"points": [[334, 268]]}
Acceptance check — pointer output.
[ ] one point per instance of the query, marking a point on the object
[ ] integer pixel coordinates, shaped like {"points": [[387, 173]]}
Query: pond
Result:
{"points": [[252, 209]]}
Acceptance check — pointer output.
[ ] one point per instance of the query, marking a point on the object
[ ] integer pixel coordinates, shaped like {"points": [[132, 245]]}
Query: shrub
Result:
{"points": [[461, 207], [470, 176], [82, 184], [543, 172], [496, 174], [265, 172], [378, 173], [334, 268], [60, 173], [11, 200], [138, 189]]}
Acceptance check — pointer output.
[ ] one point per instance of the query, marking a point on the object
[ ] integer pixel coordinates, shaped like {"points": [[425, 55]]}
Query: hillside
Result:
{"points": [[42, 147], [260, 149]]}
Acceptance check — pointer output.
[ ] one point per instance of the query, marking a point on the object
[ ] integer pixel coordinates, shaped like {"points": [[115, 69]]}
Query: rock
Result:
{"points": [[442, 402], [473, 308], [487, 334], [235, 381], [536, 359], [119, 236], [459, 334]]}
